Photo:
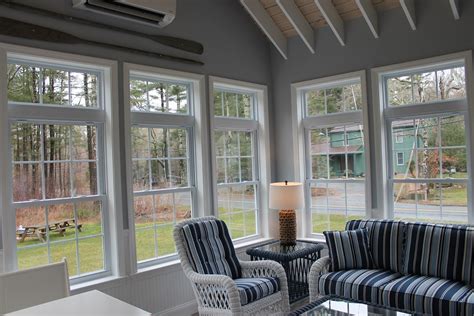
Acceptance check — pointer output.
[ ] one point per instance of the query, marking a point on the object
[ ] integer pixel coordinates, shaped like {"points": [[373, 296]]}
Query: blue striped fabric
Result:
{"points": [[427, 295], [361, 284], [470, 304], [210, 249], [386, 238], [253, 289], [443, 251], [349, 249]]}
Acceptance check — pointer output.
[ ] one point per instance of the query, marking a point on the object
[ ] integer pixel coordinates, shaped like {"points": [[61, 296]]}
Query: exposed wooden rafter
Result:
{"points": [[263, 19], [408, 7], [455, 8], [298, 21], [333, 18], [370, 15]]}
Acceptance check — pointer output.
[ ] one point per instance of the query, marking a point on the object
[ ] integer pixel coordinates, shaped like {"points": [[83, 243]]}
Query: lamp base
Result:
{"points": [[287, 227]]}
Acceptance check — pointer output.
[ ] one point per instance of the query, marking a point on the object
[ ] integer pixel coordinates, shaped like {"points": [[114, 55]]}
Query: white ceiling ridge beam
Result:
{"points": [[268, 26], [455, 8], [333, 18], [370, 15], [299, 22], [408, 7]]}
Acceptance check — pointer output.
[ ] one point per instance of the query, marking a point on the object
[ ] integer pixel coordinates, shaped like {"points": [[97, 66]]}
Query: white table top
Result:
{"points": [[93, 303]]}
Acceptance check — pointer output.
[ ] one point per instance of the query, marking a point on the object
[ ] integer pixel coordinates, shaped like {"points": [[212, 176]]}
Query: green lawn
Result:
{"points": [[33, 252], [322, 222]]}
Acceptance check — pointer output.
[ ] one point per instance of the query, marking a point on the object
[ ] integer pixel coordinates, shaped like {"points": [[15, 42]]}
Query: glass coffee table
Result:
{"points": [[335, 305]]}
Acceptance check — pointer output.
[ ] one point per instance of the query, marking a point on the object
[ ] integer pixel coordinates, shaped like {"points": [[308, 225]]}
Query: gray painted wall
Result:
{"points": [[233, 46], [437, 34]]}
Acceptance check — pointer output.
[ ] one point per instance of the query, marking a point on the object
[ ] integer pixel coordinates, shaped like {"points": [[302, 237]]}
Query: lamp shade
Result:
{"points": [[286, 196]]}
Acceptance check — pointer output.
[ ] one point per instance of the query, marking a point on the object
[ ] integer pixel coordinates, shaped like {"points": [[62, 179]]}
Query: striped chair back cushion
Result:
{"points": [[210, 249], [349, 249], [444, 251], [386, 239]]}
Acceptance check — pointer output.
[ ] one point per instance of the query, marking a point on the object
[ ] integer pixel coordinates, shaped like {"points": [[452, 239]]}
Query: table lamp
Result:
{"points": [[287, 197]]}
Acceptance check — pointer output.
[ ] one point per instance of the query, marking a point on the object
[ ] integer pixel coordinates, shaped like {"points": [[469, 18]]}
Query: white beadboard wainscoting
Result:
{"points": [[164, 291]]}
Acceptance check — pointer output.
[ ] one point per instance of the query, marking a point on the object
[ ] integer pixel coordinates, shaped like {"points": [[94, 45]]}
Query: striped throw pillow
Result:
{"points": [[349, 249]]}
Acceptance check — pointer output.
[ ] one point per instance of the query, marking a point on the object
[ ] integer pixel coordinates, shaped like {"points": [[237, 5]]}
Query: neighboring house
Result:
{"points": [[353, 142]]}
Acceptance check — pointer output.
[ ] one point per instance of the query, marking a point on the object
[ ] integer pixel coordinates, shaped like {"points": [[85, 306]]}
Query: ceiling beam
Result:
{"points": [[299, 22], [408, 7], [271, 30], [370, 15], [455, 8], [333, 18]]}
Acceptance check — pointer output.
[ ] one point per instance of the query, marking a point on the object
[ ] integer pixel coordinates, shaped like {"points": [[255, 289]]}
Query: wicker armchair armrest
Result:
{"points": [[268, 268], [321, 266], [216, 291]]}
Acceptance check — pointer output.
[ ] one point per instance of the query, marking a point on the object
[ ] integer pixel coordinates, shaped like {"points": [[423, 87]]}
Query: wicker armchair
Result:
{"points": [[220, 294], [321, 266]]}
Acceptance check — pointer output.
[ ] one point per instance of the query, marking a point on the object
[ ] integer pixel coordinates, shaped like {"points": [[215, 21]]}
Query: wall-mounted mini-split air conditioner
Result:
{"points": [[158, 13]]}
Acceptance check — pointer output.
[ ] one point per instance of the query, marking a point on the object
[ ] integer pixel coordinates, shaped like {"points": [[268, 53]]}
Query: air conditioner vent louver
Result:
{"points": [[151, 12]]}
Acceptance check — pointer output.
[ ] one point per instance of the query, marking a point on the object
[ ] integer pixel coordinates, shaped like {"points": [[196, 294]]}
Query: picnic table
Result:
{"points": [[39, 231]]}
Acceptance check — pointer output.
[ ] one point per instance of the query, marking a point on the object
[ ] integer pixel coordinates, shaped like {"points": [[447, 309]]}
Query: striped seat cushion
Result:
{"points": [[253, 289], [427, 295], [386, 238], [363, 285], [470, 304], [443, 251], [210, 249], [349, 249]]}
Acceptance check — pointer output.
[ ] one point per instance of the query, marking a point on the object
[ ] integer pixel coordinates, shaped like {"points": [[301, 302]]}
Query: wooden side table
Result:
{"points": [[296, 260]]}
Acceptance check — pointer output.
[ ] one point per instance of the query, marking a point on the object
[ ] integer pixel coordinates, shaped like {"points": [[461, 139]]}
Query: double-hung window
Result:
{"points": [[428, 174], [238, 120], [331, 135], [162, 150], [57, 201]]}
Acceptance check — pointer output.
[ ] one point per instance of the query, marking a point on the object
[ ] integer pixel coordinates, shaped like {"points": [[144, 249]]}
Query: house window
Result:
{"points": [[162, 160], [239, 112], [429, 180], [400, 159], [334, 147], [57, 127], [399, 137]]}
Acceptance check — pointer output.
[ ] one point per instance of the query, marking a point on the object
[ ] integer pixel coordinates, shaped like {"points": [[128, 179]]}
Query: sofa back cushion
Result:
{"points": [[210, 249], [386, 239], [443, 251], [349, 249]]}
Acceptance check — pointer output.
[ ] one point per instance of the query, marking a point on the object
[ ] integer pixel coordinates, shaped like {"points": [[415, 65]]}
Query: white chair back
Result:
{"points": [[26, 288]]}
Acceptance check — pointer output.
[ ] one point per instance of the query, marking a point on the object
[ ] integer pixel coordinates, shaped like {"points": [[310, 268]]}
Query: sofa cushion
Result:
{"points": [[253, 289], [349, 249], [426, 295], [361, 284], [443, 251], [386, 238], [470, 304], [210, 249]]}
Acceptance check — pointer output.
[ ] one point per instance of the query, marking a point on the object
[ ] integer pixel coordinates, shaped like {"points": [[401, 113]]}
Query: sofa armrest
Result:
{"points": [[321, 266]]}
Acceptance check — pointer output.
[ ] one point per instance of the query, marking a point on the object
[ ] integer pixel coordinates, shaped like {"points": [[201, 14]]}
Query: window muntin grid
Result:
{"points": [[232, 104], [335, 99]]}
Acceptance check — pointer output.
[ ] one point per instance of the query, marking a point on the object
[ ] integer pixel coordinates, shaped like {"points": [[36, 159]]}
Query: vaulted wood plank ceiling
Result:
{"points": [[280, 19], [347, 10]]}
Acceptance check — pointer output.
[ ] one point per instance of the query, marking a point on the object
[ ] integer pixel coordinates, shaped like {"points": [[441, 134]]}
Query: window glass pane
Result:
{"points": [[159, 96], [344, 98], [423, 87], [233, 104], [51, 86], [338, 171], [237, 207], [433, 148]]}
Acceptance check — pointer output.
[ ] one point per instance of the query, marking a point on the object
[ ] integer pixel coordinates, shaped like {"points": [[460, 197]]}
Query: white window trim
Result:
{"points": [[113, 224], [403, 159], [383, 114], [201, 144], [264, 222], [300, 123]]}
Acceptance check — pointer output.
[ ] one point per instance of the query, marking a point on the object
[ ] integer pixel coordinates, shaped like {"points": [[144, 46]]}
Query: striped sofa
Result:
{"points": [[420, 267]]}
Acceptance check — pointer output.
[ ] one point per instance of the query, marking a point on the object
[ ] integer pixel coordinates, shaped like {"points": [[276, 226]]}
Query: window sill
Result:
{"points": [[94, 284]]}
